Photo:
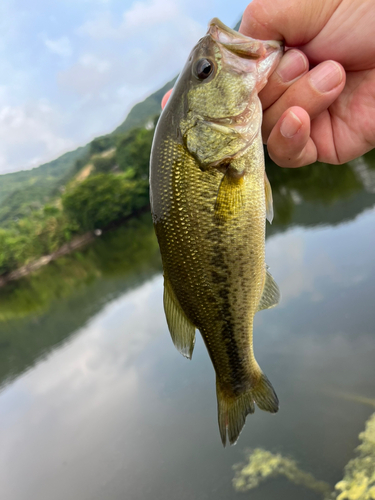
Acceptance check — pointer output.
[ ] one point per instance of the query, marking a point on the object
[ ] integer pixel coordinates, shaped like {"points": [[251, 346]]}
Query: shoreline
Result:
{"points": [[71, 246], [74, 244]]}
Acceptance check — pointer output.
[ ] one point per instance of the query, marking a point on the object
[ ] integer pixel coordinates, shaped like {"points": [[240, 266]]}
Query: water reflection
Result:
{"points": [[321, 194], [42, 311], [101, 406]]}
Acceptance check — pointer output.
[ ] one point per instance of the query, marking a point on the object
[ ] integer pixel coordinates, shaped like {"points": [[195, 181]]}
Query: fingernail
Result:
{"points": [[326, 77], [290, 125], [293, 64]]}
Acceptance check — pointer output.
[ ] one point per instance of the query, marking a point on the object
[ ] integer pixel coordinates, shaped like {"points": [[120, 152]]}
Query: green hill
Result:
{"points": [[27, 190], [142, 112], [23, 191]]}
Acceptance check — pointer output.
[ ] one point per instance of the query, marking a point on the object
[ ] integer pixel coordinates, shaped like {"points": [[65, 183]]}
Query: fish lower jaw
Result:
{"points": [[252, 113], [247, 130]]}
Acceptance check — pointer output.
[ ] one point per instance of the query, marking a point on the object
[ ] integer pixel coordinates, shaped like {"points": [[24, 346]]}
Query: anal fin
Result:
{"points": [[180, 327], [271, 293]]}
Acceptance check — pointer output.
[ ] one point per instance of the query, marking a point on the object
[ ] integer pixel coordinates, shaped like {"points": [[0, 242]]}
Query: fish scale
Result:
{"points": [[208, 199]]}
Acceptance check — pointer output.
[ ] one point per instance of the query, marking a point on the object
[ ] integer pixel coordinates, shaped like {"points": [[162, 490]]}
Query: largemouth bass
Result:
{"points": [[210, 198]]}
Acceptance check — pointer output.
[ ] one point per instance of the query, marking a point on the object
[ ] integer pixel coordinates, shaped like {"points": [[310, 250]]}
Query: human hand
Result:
{"points": [[324, 114]]}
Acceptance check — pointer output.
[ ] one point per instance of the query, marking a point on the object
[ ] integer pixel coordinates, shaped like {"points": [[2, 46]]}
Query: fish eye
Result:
{"points": [[204, 68]]}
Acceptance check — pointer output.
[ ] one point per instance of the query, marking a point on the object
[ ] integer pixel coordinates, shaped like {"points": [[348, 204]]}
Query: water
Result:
{"points": [[97, 403]]}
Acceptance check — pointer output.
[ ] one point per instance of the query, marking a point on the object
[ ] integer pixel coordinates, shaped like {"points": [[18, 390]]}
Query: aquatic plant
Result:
{"points": [[358, 482], [359, 474], [263, 464]]}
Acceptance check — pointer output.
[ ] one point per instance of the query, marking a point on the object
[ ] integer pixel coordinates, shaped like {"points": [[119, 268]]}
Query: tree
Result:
{"points": [[102, 143], [104, 164], [103, 199], [133, 152]]}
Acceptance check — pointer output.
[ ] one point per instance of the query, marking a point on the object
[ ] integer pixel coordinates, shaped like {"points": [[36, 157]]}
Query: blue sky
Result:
{"points": [[70, 70]]}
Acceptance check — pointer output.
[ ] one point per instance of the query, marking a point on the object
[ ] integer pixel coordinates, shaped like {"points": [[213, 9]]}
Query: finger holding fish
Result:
{"points": [[298, 127], [314, 92]]}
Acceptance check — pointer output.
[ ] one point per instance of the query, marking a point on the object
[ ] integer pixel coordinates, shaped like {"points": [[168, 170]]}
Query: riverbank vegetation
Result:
{"points": [[108, 183]]}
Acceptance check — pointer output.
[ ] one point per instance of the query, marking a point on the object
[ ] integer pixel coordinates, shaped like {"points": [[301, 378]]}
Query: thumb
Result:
{"points": [[295, 21]]}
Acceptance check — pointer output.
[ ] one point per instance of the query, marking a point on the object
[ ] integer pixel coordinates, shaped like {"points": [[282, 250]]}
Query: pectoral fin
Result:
{"points": [[230, 198], [271, 293], [180, 327], [269, 200]]}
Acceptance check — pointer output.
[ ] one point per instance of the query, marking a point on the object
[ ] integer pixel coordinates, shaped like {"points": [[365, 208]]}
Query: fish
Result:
{"points": [[210, 198]]}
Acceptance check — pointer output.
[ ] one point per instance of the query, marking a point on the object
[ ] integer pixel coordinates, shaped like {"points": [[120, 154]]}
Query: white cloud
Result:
{"points": [[88, 76], [29, 134], [101, 366], [106, 345], [155, 14], [100, 26], [61, 46], [132, 56], [146, 14], [141, 53], [93, 60]]}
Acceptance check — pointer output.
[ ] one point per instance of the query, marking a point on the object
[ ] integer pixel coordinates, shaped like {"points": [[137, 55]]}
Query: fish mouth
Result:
{"points": [[242, 45]]}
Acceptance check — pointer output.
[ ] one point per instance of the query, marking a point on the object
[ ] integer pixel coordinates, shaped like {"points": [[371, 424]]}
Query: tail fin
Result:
{"points": [[232, 411]]}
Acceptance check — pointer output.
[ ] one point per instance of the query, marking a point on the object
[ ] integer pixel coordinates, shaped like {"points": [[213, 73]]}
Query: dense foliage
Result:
{"points": [[104, 164], [103, 199], [25, 191], [31, 237], [133, 153], [103, 143]]}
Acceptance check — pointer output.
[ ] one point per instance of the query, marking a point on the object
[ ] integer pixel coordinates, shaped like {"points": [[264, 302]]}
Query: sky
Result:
{"points": [[70, 70]]}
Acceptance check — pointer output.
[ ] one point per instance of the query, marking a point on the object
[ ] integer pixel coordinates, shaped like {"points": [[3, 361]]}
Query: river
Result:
{"points": [[96, 403]]}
